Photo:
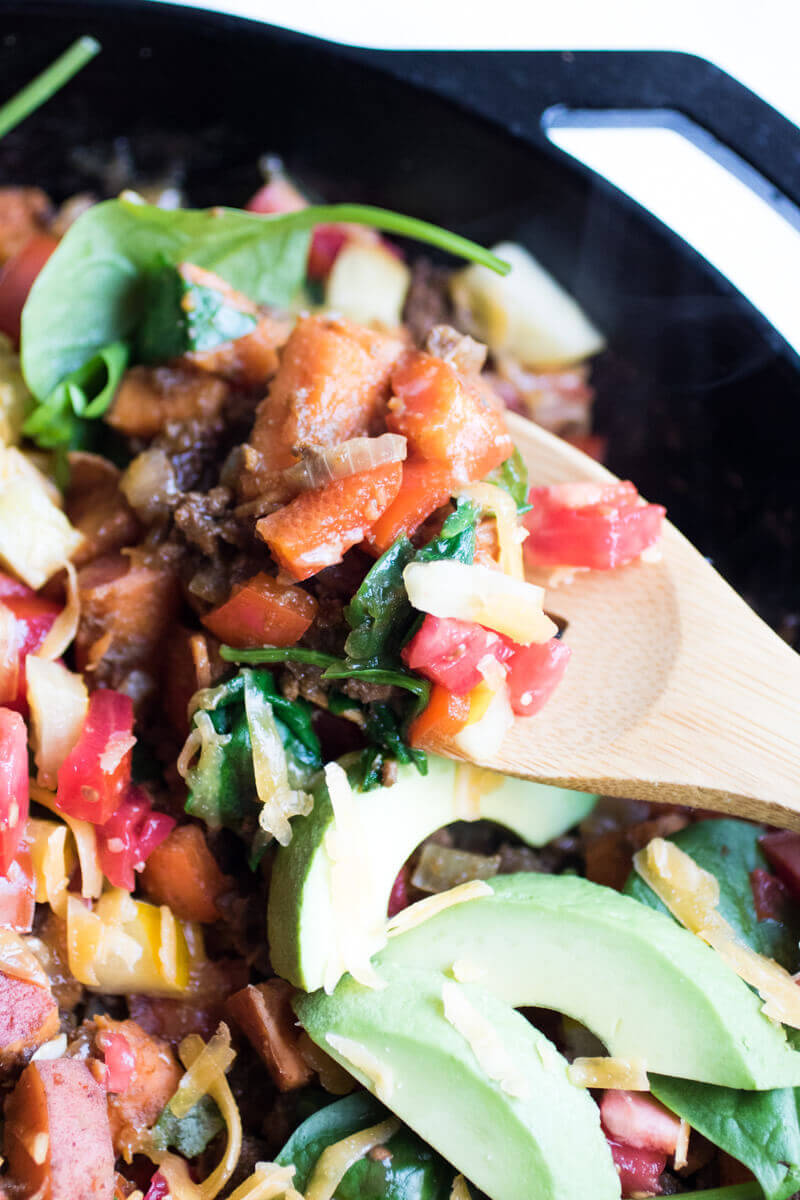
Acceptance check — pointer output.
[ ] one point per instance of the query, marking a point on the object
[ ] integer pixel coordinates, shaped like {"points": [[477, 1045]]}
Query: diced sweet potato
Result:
{"points": [[127, 608], [155, 1076], [448, 417], [57, 1136], [182, 873], [332, 384], [317, 528], [149, 397], [28, 1018], [265, 1016], [24, 212], [97, 508], [249, 361]]}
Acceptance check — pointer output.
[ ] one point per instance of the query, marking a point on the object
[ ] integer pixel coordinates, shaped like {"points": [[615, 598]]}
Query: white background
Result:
{"points": [[757, 41]]}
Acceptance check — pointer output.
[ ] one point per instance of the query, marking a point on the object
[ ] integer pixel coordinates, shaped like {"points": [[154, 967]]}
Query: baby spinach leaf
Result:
{"points": [[51, 80], [512, 477], [759, 1129], [93, 289], [413, 1172], [86, 393], [380, 611], [729, 850], [191, 1134]]}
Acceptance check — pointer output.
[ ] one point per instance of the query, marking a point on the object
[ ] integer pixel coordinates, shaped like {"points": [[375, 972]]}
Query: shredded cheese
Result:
{"points": [[500, 504], [381, 1080], [336, 1160], [48, 1051], [482, 1039], [58, 701], [36, 539], [279, 801], [53, 860], [85, 841], [483, 738], [626, 1074], [267, 1181], [212, 1061], [62, 632], [179, 1181], [463, 971], [423, 910], [350, 879], [213, 1057], [459, 1190], [692, 896], [682, 1145]]}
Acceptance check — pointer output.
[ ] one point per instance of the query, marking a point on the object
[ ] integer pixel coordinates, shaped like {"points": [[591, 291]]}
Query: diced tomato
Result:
{"points": [[639, 1170], [782, 851], [129, 836], [17, 893], [599, 526], [280, 195], [425, 487], [94, 777], [159, 1188], [262, 612], [637, 1119], [31, 617], [534, 673], [120, 1061], [449, 652], [13, 785], [446, 417], [317, 528], [399, 897], [16, 280], [443, 716], [277, 196], [769, 895]]}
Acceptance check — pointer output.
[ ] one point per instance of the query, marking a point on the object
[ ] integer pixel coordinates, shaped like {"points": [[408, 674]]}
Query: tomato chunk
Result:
{"points": [[442, 717], [770, 895], [13, 785], [599, 526], [639, 1170], [16, 280], [120, 1061], [93, 778], [446, 417], [317, 528], [129, 836], [782, 851], [27, 619], [17, 893], [449, 652], [637, 1119], [262, 612], [534, 673], [425, 486]]}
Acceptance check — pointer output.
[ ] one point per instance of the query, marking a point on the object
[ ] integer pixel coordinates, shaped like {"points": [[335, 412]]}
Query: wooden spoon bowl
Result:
{"points": [[676, 690]]}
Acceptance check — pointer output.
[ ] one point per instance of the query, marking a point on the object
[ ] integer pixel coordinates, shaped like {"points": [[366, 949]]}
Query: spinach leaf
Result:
{"points": [[512, 477], [86, 393], [191, 1134], [93, 289], [729, 850], [457, 539], [414, 1171], [379, 613], [759, 1129], [185, 314], [386, 744], [51, 80]]}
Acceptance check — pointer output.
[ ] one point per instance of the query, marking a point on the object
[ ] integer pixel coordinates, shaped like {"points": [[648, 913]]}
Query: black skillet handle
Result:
{"points": [[517, 88]]}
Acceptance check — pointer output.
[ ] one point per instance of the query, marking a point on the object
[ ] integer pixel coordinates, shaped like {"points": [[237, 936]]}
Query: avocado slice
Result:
{"points": [[645, 986], [533, 1137], [393, 821]]}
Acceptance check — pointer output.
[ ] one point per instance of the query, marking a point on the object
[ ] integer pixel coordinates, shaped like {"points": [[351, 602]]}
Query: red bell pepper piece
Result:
{"points": [[129, 836], [262, 612], [31, 617], [13, 785], [17, 278], [159, 1188], [442, 717], [94, 777]]}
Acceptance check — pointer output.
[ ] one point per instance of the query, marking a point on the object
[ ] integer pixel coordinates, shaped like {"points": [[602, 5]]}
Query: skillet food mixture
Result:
{"points": [[262, 531]]}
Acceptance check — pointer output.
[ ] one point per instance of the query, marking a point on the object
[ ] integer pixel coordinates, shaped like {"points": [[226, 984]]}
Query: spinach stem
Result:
{"points": [[45, 85]]}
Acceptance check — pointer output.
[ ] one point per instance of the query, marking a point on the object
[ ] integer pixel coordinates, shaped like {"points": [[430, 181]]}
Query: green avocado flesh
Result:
{"points": [[302, 917], [545, 1144], [643, 985]]}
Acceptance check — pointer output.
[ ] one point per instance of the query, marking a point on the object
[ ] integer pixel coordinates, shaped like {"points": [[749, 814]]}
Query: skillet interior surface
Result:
{"points": [[700, 400]]}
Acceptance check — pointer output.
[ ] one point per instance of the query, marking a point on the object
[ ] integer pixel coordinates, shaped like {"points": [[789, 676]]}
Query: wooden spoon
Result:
{"points": [[676, 691]]}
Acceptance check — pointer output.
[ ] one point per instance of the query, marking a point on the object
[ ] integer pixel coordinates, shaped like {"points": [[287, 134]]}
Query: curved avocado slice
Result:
{"points": [[542, 1143], [645, 986], [393, 821]]}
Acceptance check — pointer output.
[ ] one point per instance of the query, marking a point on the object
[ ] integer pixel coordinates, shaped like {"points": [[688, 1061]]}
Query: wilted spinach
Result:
{"points": [[191, 1134]]}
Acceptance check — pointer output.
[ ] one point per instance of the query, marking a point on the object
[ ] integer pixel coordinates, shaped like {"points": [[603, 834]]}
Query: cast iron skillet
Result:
{"points": [[699, 396]]}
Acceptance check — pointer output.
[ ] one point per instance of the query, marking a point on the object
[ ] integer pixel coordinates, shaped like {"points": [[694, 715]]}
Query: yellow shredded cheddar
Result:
{"points": [[337, 1159], [423, 910], [627, 1074], [482, 1039]]}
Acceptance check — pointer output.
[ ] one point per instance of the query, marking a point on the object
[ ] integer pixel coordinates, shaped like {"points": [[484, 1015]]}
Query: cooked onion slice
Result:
{"points": [[320, 465], [149, 486]]}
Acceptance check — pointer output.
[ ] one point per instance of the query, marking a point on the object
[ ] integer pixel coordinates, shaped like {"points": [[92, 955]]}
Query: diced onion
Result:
{"points": [[19, 961], [58, 701], [148, 484], [443, 867], [423, 910], [510, 534], [459, 1190], [692, 895], [321, 465], [365, 1063], [267, 1182], [337, 1159], [682, 1145], [627, 1074], [9, 654], [483, 1040], [217, 1057], [470, 592], [62, 632], [484, 737], [279, 801], [36, 539]]}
